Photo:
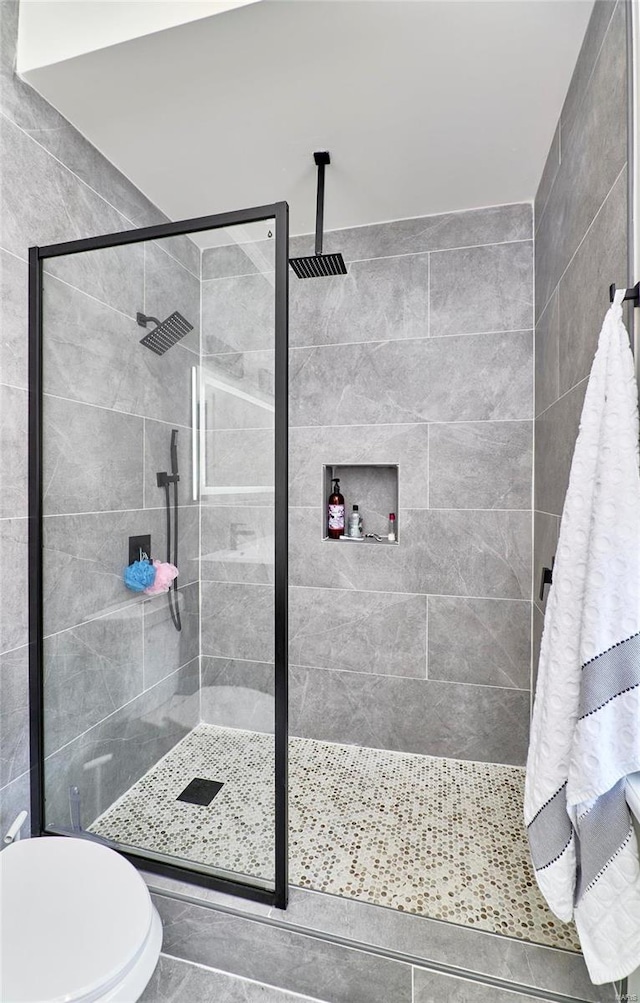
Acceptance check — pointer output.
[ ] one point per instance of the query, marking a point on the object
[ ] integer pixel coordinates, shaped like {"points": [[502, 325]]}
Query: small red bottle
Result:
{"points": [[335, 514]]}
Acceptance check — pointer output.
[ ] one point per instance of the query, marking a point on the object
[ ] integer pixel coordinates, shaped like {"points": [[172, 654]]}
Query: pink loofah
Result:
{"points": [[165, 573]]}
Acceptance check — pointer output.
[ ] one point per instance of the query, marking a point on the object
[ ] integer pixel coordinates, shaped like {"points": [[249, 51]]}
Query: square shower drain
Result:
{"points": [[200, 791]]}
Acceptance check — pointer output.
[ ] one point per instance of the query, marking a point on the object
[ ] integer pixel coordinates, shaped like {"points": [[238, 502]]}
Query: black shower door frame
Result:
{"points": [[37, 256]]}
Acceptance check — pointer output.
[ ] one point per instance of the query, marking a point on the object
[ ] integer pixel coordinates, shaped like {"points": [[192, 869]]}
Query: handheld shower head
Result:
{"points": [[166, 333]]}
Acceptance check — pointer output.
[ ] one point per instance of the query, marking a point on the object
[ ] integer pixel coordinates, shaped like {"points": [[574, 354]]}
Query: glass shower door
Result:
{"points": [[159, 420]]}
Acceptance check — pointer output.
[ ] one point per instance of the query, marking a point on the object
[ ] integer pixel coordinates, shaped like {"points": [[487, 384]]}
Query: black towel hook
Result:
{"points": [[629, 294]]}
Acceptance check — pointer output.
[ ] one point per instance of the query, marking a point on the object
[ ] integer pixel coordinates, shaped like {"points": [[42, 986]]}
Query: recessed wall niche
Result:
{"points": [[373, 487]]}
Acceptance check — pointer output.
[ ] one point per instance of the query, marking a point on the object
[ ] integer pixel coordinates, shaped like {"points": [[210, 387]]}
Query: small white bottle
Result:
{"points": [[392, 527], [355, 524]]}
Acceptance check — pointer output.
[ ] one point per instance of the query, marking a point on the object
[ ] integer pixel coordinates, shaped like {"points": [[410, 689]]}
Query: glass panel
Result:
{"points": [[158, 453]]}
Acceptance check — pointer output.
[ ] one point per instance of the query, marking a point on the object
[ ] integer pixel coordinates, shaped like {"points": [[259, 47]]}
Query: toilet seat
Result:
{"points": [[77, 923]]}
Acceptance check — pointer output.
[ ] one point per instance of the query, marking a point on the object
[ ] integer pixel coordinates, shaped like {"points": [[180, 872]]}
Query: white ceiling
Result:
{"points": [[425, 106]]}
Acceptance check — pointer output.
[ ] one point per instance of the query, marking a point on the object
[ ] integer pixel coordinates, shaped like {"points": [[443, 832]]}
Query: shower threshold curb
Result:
{"points": [[554, 974]]}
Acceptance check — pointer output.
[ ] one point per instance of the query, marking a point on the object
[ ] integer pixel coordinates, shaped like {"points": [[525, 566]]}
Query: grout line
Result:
{"points": [[554, 515], [97, 724], [11, 651], [105, 407], [368, 675], [20, 776], [85, 184], [241, 978], [109, 511], [403, 341], [383, 257], [426, 639], [334, 588], [126, 605], [410, 508], [400, 424], [577, 111], [562, 396]]}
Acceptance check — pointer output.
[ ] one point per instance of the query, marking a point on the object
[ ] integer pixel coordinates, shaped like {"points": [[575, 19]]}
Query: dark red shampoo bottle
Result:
{"points": [[335, 512]]}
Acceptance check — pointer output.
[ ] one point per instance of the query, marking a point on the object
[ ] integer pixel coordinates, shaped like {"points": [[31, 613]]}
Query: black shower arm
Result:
{"points": [[143, 320], [321, 158]]}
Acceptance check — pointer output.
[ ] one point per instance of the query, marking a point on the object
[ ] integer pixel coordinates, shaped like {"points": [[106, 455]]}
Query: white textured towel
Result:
{"points": [[585, 736]]}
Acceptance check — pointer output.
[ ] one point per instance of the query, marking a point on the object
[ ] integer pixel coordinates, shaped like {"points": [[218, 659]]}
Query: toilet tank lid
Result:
{"points": [[74, 916]]}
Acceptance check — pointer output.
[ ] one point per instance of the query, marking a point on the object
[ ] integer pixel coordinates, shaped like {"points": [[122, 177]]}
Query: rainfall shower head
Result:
{"points": [[166, 332], [318, 265]]}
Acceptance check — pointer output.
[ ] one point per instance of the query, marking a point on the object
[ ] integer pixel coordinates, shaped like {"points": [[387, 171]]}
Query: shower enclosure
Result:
{"points": [[143, 448]]}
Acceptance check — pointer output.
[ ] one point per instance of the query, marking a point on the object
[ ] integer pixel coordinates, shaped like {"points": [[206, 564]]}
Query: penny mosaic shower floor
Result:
{"points": [[439, 837]]}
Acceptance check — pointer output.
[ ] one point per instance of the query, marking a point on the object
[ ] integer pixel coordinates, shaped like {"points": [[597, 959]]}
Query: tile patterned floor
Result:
{"points": [[439, 837]]}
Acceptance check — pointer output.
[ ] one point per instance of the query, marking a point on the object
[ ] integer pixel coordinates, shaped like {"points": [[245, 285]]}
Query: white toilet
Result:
{"points": [[77, 924]]}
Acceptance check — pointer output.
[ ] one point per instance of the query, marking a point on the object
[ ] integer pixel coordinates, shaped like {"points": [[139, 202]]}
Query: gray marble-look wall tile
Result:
{"points": [[240, 458], [238, 259], [475, 553], [14, 715], [90, 671], [429, 986], [592, 158], [480, 464], [237, 694], [13, 319], [176, 981], [430, 717], [549, 173], [165, 648], [44, 203], [359, 631], [269, 954], [238, 314], [249, 373], [583, 293], [13, 435], [14, 798], [545, 534], [485, 641], [157, 457], [85, 336], [592, 43], [547, 349], [480, 289], [466, 228], [132, 740], [238, 544], [169, 286], [506, 958], [237, 620], [434, 379], [85, 555], [555, 438], [404, 445], [27, 109], [92, 458], [378, 300], [184, 249], [14, 627], [113, 275]]}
